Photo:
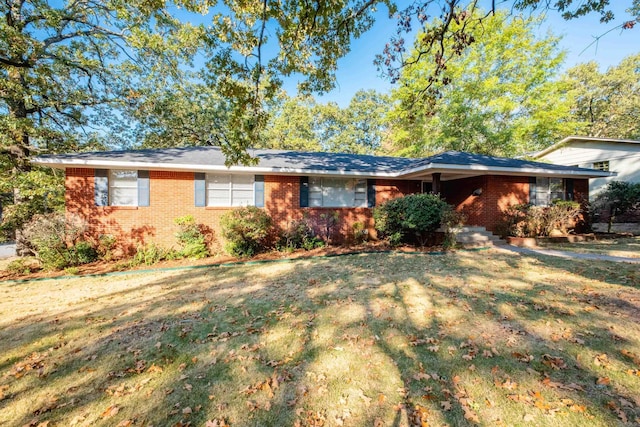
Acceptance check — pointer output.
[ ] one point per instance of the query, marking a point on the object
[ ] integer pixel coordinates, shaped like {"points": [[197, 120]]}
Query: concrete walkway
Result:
{"points": [[567, 254], [7, 250]]}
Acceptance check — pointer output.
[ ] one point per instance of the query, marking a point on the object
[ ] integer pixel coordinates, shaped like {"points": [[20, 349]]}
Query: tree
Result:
{"points": [[609, 102], [504, 100], [302, 123], [448, 34], [64, 66], [619, 197]]}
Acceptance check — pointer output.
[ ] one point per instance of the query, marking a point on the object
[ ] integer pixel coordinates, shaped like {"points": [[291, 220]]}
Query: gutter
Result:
{"points": [[431, 167]]}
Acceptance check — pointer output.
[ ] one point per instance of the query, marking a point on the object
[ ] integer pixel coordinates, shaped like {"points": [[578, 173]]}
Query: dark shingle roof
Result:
{"points": [[288, 161]]}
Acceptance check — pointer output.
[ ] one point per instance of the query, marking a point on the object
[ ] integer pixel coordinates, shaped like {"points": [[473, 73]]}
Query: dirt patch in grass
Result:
{"points": [[375, 339]]}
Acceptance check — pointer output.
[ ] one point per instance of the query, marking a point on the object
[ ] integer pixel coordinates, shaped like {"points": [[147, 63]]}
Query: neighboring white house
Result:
{"points": [[614, 155]]}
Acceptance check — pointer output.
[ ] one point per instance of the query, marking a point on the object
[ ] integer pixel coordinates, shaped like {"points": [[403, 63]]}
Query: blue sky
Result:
{"points": [[356, 70]]}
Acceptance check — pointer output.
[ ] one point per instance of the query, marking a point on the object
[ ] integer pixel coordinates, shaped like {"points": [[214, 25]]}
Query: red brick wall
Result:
{"points": [[172, 196], [498, 193]]}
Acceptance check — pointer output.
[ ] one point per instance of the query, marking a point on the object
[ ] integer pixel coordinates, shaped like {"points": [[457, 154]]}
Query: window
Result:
{"points": [[601, 166], [121, 187], [337, 192], [548, 190], [226, 190]]}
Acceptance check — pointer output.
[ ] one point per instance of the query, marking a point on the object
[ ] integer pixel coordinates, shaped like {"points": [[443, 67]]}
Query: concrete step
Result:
{"points": [[474, 236]]}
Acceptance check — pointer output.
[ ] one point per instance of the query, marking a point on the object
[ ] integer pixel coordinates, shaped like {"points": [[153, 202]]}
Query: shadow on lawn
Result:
{"points": [[358, 340]]}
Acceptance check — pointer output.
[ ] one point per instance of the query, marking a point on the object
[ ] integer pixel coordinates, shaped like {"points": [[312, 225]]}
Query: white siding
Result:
{"points": [[624, 159]]}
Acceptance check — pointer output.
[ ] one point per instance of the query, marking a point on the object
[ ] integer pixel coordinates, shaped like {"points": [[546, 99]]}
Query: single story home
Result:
{"points": [[621, 156], [135, 195]]}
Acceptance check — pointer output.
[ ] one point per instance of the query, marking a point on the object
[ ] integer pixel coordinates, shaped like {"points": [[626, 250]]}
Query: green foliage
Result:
{"points": [[412, 218], [21, 266], [40, 191], [360, 232], [301, 123], [451, 220], [246, 230], [299, 235], [191, 238], [608, 103], [57, 241], [619, 197], [502, 98], [149, 254], [106, 245]]}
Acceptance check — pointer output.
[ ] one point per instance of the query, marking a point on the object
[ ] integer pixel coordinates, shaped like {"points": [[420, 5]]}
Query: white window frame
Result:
{"points": [[323, 195], [232, 185], [544, 189], [116, 184]]}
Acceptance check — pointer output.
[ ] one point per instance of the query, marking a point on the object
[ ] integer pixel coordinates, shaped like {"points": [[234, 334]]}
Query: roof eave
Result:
{"points": [[500, 170], [176, 167]]}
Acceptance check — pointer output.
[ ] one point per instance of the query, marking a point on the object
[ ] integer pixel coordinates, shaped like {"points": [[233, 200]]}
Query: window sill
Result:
{"points": [[120, 208]]}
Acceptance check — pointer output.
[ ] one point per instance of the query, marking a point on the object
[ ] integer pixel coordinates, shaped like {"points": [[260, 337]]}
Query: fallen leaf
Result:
{"points": [[110, 411], [446, 405], [528, 418], [603, 381], [187, 411]]}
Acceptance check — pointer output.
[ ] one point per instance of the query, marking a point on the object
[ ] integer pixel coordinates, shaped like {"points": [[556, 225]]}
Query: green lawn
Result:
{"points": [[465, 338], [623, 246]]}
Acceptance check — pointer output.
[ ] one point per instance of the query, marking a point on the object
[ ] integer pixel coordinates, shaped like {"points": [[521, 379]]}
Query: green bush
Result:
{"points": [[299, 235], [409, 219], [150, 254], [191, 238], [246, 230], [22, 266], [57, 241], [106, 245]]}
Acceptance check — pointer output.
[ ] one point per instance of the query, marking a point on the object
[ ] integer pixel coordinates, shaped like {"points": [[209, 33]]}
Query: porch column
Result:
{"points": [[436, 183]]}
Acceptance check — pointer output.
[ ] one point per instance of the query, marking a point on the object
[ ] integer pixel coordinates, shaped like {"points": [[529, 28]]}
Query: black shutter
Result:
{"points": [[532, 190], [259, 190], [143, 188], [371, 193], [199, 187], [304, 191], [568, 189], [101, 187]]}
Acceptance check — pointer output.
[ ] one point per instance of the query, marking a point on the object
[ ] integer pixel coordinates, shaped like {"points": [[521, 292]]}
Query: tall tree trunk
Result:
{"points": [[19, 152]]}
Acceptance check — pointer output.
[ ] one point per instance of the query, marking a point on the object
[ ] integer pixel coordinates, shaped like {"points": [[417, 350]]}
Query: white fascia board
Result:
{"points": [[432, 167], [177, 167], [569, 139], [500, 170]]}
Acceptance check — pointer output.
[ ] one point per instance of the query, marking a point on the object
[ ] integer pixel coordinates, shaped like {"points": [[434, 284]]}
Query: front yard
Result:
{"points": [[482, 337], [622, 246]]}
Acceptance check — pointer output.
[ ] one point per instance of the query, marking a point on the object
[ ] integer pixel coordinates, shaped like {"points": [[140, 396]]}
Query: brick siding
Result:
{"points": [[172, 196]]}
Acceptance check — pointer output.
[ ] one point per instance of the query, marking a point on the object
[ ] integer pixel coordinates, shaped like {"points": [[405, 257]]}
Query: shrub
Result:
{"points": [[299, 235], [451, 219], [360, 232], [57, 241], [561, 216], [82, 253], [246, 230], [22, 266], [106, 245], [618, 198], [525, 220], [149, 254], [412, 218], [191, 238], [327, 224]]}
